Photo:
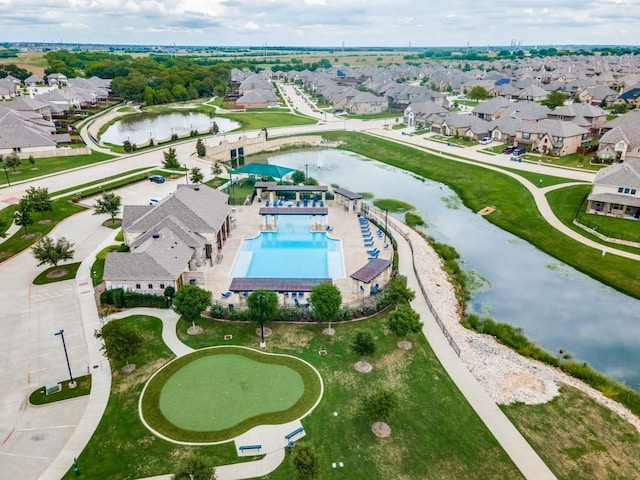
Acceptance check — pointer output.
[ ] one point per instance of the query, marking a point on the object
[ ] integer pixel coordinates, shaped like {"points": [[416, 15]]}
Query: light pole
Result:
{"points": [[262, 342], [306, 171], [186, 173], [72, 383], [7, 175]]}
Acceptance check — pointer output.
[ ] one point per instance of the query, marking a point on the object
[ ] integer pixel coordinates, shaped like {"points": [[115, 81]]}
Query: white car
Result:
{"points": [[485, 141]]}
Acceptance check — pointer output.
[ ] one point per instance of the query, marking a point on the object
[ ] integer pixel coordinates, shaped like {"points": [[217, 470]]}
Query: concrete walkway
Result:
{"points": [[509, 438]]}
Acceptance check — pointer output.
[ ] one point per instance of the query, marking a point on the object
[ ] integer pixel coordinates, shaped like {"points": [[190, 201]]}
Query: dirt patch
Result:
{"points": [[128, 368], [394, 366], [363, 367], [381, 429], [291, 337], [194, 330], [44, 222], [4, 255], [405, 345], [267, 332], [329, 331], [139, 376], [57, 273], [27, 236]]}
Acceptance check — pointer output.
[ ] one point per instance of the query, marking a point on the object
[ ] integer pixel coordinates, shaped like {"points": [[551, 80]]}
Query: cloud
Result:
{"points": [[321, 22]]}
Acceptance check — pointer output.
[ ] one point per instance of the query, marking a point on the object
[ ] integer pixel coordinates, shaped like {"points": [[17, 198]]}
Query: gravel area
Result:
{"points": [[506, 376]]}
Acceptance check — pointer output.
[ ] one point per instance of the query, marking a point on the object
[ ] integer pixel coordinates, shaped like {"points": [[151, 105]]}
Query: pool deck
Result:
{"points": [[248, 225]]}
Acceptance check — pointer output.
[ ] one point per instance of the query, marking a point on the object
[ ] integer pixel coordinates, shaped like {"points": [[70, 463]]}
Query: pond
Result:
{"points": [[557, 307], [161, 126]]}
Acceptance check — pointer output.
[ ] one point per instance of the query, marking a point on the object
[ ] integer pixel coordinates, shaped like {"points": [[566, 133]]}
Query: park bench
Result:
{"points": [[289, 436], [242, 448]]}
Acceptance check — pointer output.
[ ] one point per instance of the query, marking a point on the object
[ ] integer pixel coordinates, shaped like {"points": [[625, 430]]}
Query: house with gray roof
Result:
{"points": [[620, 140], [554, 137], [171, 241], [579, 112], [491, 109], [616, 191], [25, 133], [366, 103]]}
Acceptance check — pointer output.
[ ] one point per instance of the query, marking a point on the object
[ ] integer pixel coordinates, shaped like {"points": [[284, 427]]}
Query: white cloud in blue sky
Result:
{"points": [[321, 22]]}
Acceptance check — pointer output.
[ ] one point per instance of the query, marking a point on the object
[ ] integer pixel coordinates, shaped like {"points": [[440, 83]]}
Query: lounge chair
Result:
{"points": [[300, 294], [321, 204], [372, 258], [375, 251], [297, 203], [368, 244], [313, 204], [305, 202], [386, 245], [367, 238], [286, 294], [297, 302], [226, 294], [266, 204]]}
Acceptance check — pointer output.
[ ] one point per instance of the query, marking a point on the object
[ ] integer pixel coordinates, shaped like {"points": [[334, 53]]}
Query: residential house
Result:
{"points": [[616, 191], [33, 81], [366, 103], [491, 109], [418, 114], [630, 96], [462, 125], [554, 137], [26, 104], [589, 116], [533, 93], [24, 133], [170, 242], [620, 140], [600, 95], [57, 79]]}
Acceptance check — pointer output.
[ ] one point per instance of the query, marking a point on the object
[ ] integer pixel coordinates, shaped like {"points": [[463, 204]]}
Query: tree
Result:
{"points": [[305, 462], [171, 159], [214, 128], [404, 320], [263, 306], [216, 169], [397, 291], [48, 251], [39, 199], [32, 161], [3, 228], [12, 161], [298, 177], [380, 405], [478, 93], [108, 203], [195, 468], [201, 148], [196, 175], [190, 301], [554, 99], [363, 344], [22, 215], [326, 300], [120, 341], [128, 146]]}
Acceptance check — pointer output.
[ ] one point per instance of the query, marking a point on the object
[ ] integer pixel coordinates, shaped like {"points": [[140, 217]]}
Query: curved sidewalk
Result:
{"points": [[509, 438]]}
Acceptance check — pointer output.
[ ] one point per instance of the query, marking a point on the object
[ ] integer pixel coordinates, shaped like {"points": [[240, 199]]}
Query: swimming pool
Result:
{"points": [[293, 251]]}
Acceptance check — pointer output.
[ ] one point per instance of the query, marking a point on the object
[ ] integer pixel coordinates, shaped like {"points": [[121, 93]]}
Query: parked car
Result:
{"points": [[508, 150], [485, 141], [518, 151], [157, 179]]}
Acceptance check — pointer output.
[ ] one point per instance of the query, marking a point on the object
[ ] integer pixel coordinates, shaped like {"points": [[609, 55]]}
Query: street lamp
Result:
{"points": [[186, 172], [72, 383], [7, 174], [386, 214], [262, 342], [306, 170]]}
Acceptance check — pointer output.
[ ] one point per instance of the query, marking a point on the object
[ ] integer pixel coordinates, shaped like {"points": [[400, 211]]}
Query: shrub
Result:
{"points": [[363, 344], [134, 299]]}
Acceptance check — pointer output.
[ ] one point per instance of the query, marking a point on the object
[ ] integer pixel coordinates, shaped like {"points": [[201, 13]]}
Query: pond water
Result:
{"points": [[160, 126], [556, 306]]}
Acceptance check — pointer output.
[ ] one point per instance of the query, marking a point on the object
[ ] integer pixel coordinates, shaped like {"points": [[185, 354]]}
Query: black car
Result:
{"points": [[508, 150]]}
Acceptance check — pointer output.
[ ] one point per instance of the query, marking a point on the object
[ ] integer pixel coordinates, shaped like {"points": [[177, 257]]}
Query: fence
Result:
{"points": [[580, 219], [382, 215]]}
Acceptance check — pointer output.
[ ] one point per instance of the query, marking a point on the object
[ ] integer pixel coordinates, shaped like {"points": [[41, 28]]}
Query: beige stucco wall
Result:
{"points": [[251, 145]]}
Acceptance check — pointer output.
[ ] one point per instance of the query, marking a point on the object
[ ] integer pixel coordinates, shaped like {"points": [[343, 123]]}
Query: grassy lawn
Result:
{"points": [[516, 210], [375, 116], [83, 186], [122, 447], [83, 387], [578, 438], [69, 270], [238, 194], [97, 269], [574, 160], [462, 141], [253, 121], [43, 224], [46, 166], [434, 430], [216, 182], [564, 203]]}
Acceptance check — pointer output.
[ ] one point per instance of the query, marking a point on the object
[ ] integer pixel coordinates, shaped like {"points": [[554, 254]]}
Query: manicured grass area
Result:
{"points": [[462, 141], [122, 447], [70, 272], [83, 186], [238, 193], [83, 387], [97, 269], [564, 203], [579, 438], [516, 210], [101, 187], [433, 431], [46, 166], [252, 121], [258, 389], [375, 116], [216, 182], [42, 226], [574, 160]]}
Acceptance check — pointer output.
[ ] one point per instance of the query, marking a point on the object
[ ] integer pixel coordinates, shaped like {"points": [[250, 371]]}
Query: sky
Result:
{"points": [[326, 23]]}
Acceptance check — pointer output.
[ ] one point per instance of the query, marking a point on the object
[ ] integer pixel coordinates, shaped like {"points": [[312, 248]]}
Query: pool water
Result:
{"points": [[293, 251]]}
